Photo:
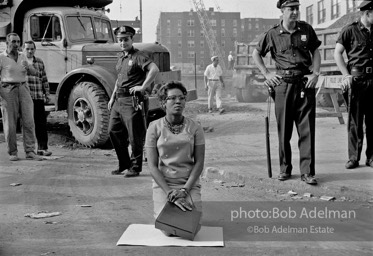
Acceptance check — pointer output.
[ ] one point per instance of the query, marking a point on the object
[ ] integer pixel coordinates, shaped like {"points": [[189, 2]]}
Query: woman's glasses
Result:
{"points": [[174, 97]]}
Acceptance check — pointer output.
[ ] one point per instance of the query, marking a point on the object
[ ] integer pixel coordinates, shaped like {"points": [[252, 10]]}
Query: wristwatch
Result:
{"points": [[184, 190], [316, 73]]}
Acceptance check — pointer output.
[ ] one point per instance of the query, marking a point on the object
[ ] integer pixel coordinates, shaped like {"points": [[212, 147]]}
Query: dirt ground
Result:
{"points": [[96, 207]]}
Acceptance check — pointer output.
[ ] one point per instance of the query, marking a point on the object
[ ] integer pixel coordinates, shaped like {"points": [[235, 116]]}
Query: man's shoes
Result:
{"points": [[369, 162], [116, 172], [32, 156], [221, 110], [284, 176], [131, 173], [44, 153], [351, 164], [210, 110], [13, 158], [309, 179]]}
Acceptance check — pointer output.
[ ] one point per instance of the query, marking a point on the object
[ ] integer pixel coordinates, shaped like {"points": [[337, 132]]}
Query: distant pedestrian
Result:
{"points": [[39, 89], [357, 40], [293, 45], [16, 99], [214, 84], [230, 61]]}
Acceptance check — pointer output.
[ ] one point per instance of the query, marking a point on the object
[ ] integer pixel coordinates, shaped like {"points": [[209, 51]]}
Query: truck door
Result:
{"points": [[46, 30]]}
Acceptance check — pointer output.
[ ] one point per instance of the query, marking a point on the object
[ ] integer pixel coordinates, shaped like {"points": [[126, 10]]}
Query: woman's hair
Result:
{"points": [[163, 91]]}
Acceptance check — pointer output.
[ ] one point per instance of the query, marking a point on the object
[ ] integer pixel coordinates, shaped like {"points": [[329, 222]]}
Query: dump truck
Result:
{"points": [[75, 40]]}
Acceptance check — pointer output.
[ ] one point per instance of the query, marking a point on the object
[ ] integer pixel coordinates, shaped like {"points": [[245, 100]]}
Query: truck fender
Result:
{"points": [[92, 73]]}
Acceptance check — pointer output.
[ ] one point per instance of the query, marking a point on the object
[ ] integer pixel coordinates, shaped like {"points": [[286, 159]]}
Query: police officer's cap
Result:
{"points": [[123, 31], [366, 5], [287, 3]]}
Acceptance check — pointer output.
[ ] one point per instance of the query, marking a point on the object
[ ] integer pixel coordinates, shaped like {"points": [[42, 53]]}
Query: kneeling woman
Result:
{"points": [[175, 148]]}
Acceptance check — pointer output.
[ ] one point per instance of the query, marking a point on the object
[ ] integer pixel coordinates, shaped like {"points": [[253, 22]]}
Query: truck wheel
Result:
{"points": [[88, 114], [239, 95]]}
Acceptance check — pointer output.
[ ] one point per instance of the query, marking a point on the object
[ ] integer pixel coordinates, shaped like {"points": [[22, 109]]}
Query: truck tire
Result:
{"points": [[88, 115], [239, 95]]}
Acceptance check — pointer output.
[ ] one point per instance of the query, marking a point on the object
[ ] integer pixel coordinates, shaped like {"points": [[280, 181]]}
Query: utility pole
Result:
{"points": [[141, 19]]}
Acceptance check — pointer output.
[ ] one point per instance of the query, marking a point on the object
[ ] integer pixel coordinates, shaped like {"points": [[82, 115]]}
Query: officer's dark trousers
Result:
{"points": [[361, 105], [290, 108], [40, 124], [126, 126]]}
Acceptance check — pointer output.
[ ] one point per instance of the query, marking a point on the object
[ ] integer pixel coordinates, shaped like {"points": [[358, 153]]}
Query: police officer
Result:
{"points": [[357, 40], [136, 72], [294, 46]]}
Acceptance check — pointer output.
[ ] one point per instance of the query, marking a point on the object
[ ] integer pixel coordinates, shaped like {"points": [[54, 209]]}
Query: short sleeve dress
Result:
{"points": [[176, 158]]}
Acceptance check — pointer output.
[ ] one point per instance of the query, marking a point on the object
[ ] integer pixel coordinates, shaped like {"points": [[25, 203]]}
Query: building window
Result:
{"points": [[191, 44], [190, 54], [234, 32], [351, 5], [180, 54], [168, 32], [202, 34], [213, 23], [336, 6], [242, 27], [222, 43], [250, 26], [179, 44], [168, 22], [202, 44], [321, 12], [223, 32], [234, 23], [223, 23], [257, 26], [179, 23], [309, 14], [191, 33], [190, 23], [179, 32], [202, 53]]}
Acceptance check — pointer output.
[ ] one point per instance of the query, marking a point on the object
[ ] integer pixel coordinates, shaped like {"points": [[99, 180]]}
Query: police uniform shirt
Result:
{"points": [[358, 43], [290, 50], [131, 68]]}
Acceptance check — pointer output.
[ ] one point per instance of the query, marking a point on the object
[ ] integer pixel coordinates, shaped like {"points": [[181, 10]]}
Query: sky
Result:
{"points": [[151, 9]]}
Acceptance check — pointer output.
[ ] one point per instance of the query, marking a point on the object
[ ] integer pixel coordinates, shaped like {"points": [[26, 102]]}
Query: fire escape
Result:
{"points": [[208, 31]]}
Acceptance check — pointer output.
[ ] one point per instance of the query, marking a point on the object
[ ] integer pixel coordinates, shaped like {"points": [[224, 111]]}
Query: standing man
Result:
{"points": [[136, 72], [214, 84], [39, 89], [16, 98], [293, 46], [357, 40], [230, 61]]}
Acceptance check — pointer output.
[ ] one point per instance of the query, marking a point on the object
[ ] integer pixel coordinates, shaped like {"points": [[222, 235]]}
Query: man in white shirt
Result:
{"points": [[230, 61], [214, 84]]}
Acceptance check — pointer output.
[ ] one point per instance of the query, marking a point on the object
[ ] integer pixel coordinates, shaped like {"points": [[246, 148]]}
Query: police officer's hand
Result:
{"points": [[273, 79], [183, 204], [346, 83], [110, 104], [311, 81], [136, 89]]}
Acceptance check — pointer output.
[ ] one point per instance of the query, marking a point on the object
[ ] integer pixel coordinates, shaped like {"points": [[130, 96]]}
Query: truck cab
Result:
{"points": [[75, 40]]}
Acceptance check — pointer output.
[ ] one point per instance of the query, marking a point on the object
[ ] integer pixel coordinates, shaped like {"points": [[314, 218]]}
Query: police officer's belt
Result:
{"points": [[292, 73], [361, 71], [123, 92]]}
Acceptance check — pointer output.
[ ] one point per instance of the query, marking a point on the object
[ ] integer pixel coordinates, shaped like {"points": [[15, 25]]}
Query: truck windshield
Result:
{"points": [[84, 28]]}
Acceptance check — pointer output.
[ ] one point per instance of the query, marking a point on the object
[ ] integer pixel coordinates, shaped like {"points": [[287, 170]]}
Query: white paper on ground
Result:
{"points": [[148, 235]]}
